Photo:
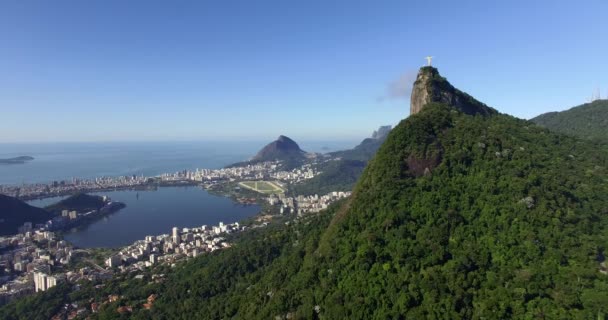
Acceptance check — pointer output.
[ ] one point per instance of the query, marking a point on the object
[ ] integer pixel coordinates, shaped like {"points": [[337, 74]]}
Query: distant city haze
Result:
{"points": [[214, 70], [64, 161]]}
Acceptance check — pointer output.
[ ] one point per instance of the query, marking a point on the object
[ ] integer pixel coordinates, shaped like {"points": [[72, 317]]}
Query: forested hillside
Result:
{"points": [[589, 121], [458, 216], [336, 175], [509, 221]]}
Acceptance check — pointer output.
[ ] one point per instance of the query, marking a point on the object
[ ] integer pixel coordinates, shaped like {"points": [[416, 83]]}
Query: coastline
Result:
{"points": [[146, 187], [158, 248]]}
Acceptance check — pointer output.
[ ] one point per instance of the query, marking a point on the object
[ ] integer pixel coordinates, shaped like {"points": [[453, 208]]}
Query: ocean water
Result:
{"points": [[68, 160], [63, 161]]}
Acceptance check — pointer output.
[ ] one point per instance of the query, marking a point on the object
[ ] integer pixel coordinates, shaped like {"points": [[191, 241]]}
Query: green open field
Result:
{"points": [[262, 186]]}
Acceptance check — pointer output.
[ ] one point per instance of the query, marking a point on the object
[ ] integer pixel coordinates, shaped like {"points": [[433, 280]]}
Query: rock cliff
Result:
{"points": [[432, 87]]}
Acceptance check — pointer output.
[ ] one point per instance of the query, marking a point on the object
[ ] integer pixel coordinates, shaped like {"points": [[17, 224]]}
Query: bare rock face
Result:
{"points": [[420, 93], [431, 87]]}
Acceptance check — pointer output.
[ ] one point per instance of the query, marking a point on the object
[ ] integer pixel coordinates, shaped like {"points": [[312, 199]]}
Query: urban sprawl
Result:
{"points": [[36, 259]]}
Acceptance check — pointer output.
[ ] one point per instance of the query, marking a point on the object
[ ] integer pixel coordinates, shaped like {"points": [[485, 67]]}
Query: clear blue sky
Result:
{"points": [[190, 70]]}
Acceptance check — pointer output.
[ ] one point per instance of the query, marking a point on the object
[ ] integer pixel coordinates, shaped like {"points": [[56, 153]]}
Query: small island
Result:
{"points": [[16, 160]]}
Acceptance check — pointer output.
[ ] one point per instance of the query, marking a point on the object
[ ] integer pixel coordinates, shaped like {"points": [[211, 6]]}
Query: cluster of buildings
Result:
{"points": [[80, 311], [58, 188], [168, 248], [28, 261], [71, 218], [35, 259], [305, 204], [44, 281], [71, 311], [296, 175], [250, 171], [258, 171]]}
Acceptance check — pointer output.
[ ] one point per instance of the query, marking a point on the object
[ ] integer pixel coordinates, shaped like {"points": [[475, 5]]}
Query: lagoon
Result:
{"points": [[156, 212]]}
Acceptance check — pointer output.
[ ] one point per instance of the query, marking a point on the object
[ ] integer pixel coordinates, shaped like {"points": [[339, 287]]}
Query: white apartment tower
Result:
{"points": [[43, 282], [176, 236]]}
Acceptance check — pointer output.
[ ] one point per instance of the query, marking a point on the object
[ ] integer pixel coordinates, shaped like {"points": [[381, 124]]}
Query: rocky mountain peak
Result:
{"points": [[430, 86]]}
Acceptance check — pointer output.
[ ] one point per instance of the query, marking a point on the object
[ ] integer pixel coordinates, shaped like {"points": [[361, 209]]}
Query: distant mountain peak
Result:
{"points": [[430, 86], [367, 148], [281, 149], [382, 132]]}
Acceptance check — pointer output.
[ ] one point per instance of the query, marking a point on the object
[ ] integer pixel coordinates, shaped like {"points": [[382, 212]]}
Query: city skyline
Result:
{"points": [[136, 71]]}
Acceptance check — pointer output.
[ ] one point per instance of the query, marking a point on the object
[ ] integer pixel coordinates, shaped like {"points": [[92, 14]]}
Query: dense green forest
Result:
{"points": [[457, 216], [509, 221], [589, 121], [336, 175]]}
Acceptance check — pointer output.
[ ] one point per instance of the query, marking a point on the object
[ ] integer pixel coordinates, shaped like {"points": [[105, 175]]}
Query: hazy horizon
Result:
{"points": [[302, 142]]}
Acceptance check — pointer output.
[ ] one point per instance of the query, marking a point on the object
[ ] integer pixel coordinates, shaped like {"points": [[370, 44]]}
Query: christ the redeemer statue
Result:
{"points": [[428, 60]]}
